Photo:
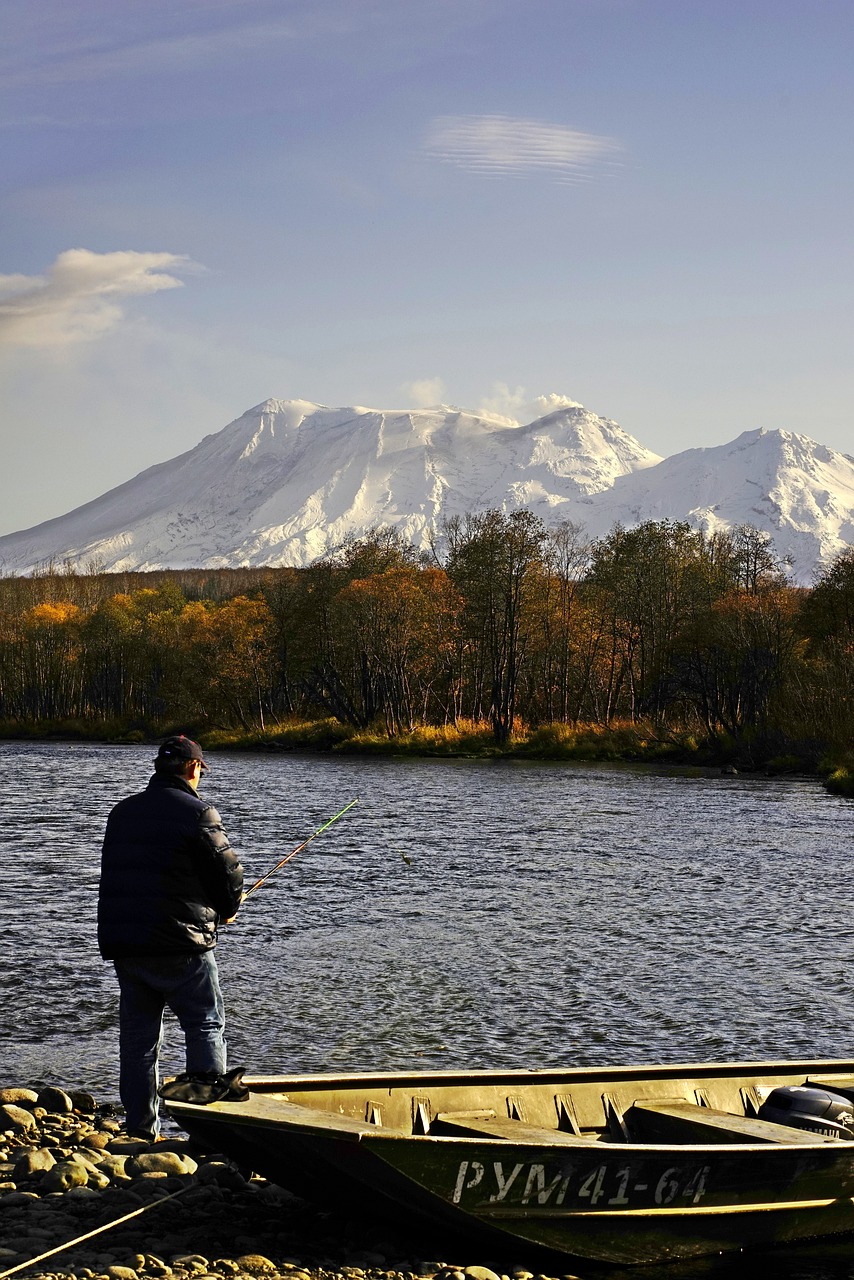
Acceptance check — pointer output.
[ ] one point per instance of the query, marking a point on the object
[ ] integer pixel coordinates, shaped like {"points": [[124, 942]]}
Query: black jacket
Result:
{"points": [[168, 874]]}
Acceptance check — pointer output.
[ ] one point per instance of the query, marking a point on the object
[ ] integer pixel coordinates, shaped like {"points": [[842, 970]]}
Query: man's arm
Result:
{"points": [[221, 869]]}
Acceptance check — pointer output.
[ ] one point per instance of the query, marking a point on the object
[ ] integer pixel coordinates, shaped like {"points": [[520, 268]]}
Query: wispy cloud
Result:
{"points": [[81, 44], [503, 146], [80, 296], [172, 52]]}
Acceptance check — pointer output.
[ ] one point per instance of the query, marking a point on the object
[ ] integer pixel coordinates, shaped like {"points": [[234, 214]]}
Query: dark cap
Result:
{"points": [[179, 749]]}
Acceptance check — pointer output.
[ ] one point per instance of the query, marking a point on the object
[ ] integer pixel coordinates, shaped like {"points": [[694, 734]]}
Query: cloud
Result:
{"points": [[82, 43], [504, 403], [425, 392], [514, 405], [80, 296], [501, 146], [553, 401], [178, 52]]}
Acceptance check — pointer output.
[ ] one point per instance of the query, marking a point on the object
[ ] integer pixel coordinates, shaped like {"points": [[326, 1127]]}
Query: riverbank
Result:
{"points": [[68, 1170], [629, 741]]}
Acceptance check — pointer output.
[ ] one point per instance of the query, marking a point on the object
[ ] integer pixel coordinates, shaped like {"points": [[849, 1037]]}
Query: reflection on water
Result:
{"points": [[465, 914]]}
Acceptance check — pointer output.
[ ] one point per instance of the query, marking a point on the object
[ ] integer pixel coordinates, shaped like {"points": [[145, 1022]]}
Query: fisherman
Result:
{"points": [[169, 877]]}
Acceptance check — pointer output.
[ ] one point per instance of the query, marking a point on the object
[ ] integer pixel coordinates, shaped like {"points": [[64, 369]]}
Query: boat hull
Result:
{"points": [[580, 1195]]}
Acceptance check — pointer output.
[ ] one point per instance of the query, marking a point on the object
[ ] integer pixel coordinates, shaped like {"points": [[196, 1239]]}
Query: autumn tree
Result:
{"points": [[402, 627], [218, 659], [826, 623], [495, 561]]}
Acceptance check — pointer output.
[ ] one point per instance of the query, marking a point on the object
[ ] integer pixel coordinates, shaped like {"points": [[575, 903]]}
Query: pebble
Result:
{"points": [[13, 1116], [20, 1097], [55, 1100], [67, 1167]]}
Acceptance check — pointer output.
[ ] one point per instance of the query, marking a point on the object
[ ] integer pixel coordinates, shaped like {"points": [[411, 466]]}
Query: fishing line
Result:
{"points": [[70, 1244]]}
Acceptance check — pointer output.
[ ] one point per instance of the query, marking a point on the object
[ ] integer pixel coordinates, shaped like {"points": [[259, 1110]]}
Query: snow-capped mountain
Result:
{"points": [[289, 480], [800, 492]]}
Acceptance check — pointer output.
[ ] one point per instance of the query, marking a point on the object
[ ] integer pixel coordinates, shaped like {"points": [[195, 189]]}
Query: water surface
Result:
{"points": [[464, 914]]}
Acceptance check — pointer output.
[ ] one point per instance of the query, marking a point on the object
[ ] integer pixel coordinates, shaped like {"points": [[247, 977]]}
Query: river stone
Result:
{"points": [[224, 1175], [16, 1119], [65, 1175], [82, 1101], [19, 1097], [94, 1140], [155, 1266], [114, 1167], [256, 1264], [120, 1273], [480, 1273], [127, 1146], [191, 1262], [34, 1162], [86, 1158], [167, 1162], [55, 1100], [83, 1193]]}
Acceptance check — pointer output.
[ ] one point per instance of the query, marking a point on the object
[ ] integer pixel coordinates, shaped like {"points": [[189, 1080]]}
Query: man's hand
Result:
{"points": [[231, 919]]}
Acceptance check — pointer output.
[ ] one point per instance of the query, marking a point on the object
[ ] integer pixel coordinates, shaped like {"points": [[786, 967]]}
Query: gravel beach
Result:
{"points": [[67, 1168]]}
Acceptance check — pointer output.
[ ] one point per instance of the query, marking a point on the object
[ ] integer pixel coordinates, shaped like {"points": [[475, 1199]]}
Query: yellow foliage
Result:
{"points": [[52, 615]]}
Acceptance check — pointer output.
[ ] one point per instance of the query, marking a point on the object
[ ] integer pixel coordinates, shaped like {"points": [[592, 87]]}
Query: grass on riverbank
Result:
{"points": [[839, 774], [621, 740]]}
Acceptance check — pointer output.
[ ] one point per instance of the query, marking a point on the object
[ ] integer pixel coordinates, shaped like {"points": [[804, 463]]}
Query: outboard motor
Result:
{"points": [[817, 1110]]}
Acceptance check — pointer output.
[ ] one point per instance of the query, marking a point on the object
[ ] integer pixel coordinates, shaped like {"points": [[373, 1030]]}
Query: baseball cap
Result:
{"points": [[180, 748]]}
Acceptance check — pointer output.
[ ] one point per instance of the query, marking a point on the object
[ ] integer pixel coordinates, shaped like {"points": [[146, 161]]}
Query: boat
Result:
{"points": [[622, 1165]]}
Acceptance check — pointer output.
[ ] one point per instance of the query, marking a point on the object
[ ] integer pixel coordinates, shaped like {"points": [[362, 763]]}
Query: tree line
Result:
{"points": [[504, 623]]}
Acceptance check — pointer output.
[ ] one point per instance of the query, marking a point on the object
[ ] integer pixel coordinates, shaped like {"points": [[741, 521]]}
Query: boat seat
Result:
{"points": [[473, 1125], [836, 1084], [682, 1121], [261, 1109]]}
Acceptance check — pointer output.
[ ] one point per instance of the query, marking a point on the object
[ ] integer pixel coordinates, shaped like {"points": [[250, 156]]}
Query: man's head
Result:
{"points": [[182, 758]]}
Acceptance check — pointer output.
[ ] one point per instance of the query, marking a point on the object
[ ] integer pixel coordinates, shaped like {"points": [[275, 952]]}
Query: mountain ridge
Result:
{"points": [[289, 480]]}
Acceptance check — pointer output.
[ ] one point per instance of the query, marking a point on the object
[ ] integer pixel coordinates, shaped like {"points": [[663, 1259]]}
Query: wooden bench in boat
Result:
{"points": [[487, 1125], [836, 1084], [682, 1121], [261, 1109]]}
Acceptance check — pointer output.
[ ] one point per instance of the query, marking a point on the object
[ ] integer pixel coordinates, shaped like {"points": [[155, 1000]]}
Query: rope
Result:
{"points": [[69, 1244]]}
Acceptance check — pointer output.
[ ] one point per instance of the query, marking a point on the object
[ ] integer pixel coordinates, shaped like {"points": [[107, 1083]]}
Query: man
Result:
{"points": [[169, 877]]}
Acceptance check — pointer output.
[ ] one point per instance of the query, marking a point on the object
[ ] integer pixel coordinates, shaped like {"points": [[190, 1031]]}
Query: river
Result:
{"points": [[464, 914]]}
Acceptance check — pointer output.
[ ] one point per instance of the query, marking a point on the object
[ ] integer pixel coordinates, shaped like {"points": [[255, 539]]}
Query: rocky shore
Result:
{"points": [[68, 1169]]}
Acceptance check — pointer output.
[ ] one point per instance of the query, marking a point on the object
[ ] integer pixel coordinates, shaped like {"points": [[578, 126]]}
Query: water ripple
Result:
{"points": [[546, 915]]}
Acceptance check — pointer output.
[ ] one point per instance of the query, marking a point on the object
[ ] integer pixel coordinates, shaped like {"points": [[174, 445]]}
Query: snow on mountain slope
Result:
{"points": [[289, 480], [800, 492]]}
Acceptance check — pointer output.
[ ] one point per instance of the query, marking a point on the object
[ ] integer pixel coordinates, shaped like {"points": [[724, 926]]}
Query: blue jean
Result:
{"points": [[189, 986]]}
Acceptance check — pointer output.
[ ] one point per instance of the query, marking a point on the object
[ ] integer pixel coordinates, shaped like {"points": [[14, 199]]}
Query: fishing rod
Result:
{"points": [[294, 852]]}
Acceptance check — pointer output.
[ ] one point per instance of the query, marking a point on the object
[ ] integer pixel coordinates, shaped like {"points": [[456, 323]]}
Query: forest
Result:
{"points": [[655, 639]]}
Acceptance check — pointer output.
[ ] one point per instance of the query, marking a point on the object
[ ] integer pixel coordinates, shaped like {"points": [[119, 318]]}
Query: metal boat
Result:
{"points": [[630, 1165]]}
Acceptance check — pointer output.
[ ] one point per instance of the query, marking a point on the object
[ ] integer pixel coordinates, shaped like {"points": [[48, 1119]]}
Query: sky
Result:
{"points": [[644, 206]]}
